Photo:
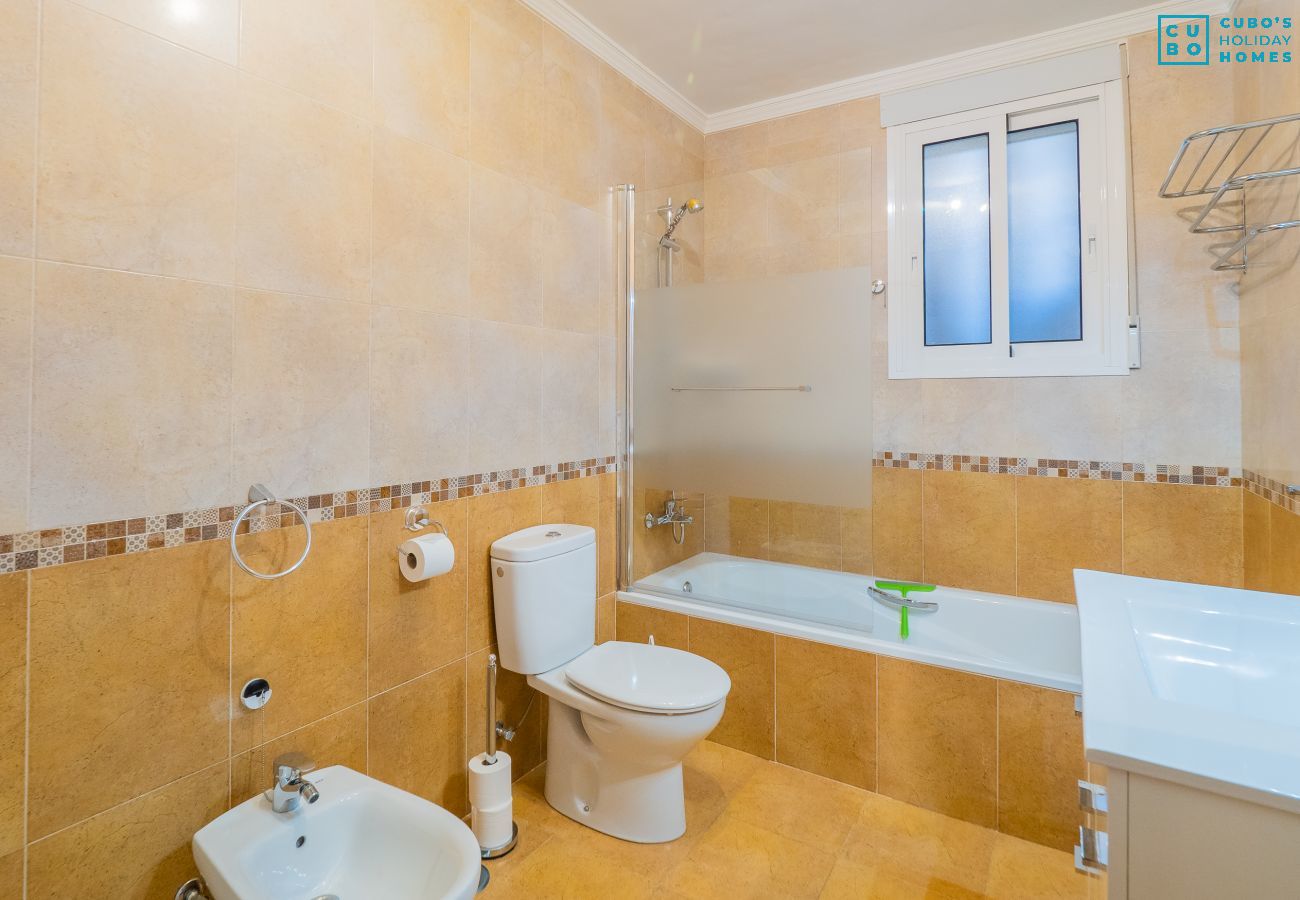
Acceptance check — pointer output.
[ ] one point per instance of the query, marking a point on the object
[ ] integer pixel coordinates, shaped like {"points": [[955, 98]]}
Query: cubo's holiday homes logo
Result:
{"points": [[1198, 40]]}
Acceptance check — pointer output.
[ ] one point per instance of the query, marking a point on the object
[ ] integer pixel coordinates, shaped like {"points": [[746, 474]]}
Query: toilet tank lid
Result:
{"points": [[542, 542]]}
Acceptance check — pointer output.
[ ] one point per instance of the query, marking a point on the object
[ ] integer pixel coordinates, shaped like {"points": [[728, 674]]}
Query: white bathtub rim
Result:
{"points": [[826, 634]]}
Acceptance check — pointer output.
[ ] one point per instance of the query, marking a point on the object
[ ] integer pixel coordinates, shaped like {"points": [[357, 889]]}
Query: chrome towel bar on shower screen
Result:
{"points": [[258, 495], [801, 388]]}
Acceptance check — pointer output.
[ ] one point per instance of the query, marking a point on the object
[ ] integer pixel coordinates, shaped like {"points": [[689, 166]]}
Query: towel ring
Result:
{"points": [[258, 495]]}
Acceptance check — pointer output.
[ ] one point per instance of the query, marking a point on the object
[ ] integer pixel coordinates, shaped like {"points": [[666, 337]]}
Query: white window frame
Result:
{"points": [[1104, 236]]}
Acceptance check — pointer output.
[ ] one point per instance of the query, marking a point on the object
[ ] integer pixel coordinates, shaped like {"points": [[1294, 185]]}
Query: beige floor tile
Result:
{"points": [[799, 805], [1024, 871]]}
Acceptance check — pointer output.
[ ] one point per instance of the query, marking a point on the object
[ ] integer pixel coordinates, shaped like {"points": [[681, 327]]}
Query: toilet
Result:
{"points": [[622, 716]]}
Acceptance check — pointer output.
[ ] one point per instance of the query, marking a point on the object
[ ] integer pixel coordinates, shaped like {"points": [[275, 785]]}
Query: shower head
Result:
{"points": [[691, 207]]}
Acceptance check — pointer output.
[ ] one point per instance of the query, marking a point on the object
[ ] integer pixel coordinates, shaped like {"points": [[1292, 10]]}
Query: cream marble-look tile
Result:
{"points": [[142, 364], [505, 395], [570, 396], [420, 375], [506, 249], [311, 433], [137, 150], [210, 27], [16, 276], [19, 61], [422, 71], [322, 50], [507, 89], [571, 266], [304, 195], [421, 238]]}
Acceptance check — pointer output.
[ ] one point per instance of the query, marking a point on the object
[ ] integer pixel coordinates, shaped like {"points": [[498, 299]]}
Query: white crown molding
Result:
{"points": [[578, 27], [956, 65]]}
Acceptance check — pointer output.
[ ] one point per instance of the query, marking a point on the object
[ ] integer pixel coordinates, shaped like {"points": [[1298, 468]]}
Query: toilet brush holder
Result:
{"points": [[490, 797]]}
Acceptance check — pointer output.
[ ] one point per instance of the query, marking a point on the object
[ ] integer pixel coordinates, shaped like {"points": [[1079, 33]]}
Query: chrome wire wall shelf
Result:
{"points": [[1223, 157]]}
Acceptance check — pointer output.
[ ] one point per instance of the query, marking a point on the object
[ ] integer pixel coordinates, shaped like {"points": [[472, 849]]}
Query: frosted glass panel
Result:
{"points": [[1043, 207], [808, 329], [955, 184]]}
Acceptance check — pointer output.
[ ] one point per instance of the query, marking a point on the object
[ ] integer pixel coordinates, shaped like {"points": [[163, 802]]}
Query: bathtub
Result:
{"points": [[1029, 641]]}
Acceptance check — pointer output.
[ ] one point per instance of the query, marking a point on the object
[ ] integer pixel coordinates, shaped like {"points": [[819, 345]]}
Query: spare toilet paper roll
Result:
{"points": [[426, 556], [491, 808]]}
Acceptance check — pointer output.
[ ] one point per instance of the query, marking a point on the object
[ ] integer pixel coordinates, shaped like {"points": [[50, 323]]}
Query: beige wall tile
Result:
{"points": [[321, 50], [137, 150], [1284, 555], [607, 549], [415, 627], [1070, 418], [210, 27], [855, 535], [417, 737], [826, 710], [421, 70], [505, 398], [570, 395], [129, 720], [970, 538], [420, 370], [638, 623], [896, 518], [507, 89], [305, 634], [19, 60], [304, 195], [1063, 524], [144, 365], [337, 740], [1040, 761], [749, 658], [493, 516], [571, 265], [311, 432], [969, 415], [1257, 560], [16, 278], [571, 120], [518, 707], [506, 248], [421, 237], [13, 713], [938, 739], [137, 851], [1183, 533], [805, 534]]}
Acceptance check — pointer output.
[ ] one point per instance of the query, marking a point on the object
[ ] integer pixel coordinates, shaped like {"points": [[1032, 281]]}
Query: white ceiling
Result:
{"points": [[724, 54]]}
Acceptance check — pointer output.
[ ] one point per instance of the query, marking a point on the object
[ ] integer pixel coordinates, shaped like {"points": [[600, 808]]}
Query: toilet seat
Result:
{"points": [[647, 678]]}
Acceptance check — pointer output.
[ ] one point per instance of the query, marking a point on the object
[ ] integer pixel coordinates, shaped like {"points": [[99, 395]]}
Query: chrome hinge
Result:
{"points": [[1092, 798], [1092, 852]]}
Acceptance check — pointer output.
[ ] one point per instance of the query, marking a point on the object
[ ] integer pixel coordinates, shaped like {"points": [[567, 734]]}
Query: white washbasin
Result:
{"points": [[362, 840], [1193, 683]]}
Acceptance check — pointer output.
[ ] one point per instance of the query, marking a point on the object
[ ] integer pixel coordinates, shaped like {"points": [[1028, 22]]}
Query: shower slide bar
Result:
{"points": [[801, 388]]}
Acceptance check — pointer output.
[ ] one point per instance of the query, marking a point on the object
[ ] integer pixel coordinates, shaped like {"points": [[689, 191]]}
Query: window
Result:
{"points": [[1009, 239]]}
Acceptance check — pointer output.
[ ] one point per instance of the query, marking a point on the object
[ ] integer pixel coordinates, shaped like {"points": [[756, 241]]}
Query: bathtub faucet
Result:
{"points": [[903, 601], [675, 515]]}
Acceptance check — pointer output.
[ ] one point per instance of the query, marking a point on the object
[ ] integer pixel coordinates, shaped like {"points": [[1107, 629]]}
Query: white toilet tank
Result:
{"points": [[544, 591]]}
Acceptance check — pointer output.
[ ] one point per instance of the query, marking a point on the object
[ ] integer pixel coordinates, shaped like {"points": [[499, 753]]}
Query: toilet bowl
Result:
{"points": [[614, 761], [623, 716]]}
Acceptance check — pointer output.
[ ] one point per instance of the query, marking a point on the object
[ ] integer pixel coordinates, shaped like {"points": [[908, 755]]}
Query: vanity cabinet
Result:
{"points": [[1169, 841]]}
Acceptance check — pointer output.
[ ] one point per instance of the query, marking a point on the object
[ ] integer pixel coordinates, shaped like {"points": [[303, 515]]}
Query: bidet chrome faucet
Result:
{"points": [[290, 787]]}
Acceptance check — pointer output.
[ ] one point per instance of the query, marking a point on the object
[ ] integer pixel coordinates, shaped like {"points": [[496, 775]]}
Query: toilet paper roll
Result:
{"points": [[489, 784], [491, 805], [426, 556]]}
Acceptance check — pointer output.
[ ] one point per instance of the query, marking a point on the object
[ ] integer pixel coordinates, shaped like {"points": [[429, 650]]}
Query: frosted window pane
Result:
{"points": [[1043, 208], [958, 294]]}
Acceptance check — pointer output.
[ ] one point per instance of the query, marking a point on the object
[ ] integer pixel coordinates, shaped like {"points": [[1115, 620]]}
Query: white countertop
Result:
{"points": [[1193, 684]]}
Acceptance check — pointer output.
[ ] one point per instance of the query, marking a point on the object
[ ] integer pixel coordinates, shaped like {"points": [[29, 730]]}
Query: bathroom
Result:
{"points": [[331, 334]]}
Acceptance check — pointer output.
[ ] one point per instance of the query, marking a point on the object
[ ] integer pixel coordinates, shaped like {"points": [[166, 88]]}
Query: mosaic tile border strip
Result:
{"points": [[1212, 476], [75, 543], [1275, 492]]}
